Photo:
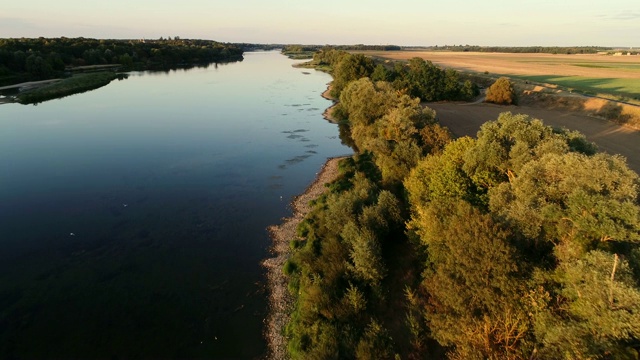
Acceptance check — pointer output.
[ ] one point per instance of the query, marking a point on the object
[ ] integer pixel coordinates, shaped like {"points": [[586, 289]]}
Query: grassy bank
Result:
{"points": [[73, 85]]}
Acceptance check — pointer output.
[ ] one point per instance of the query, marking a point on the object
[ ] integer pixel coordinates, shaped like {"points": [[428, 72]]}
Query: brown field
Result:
{"points": [[594, 66], [466, 119]]}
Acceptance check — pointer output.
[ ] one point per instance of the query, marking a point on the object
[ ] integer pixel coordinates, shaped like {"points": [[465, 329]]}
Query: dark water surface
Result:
{"points": [[132, 217]]}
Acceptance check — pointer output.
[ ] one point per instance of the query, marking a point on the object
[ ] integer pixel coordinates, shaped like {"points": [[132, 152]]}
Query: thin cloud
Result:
{"points": [[627, 16], [623, 16], [13, 22]]}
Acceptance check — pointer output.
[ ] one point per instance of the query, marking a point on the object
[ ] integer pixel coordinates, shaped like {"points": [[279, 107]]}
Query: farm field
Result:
{"points": [[594, 74]]}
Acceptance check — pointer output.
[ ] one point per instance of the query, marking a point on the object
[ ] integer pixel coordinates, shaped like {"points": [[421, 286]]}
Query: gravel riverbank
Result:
{"points": [[279, 298]]}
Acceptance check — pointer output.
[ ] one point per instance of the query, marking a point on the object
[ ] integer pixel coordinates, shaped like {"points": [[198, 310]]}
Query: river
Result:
{"points": [[133, 217]]}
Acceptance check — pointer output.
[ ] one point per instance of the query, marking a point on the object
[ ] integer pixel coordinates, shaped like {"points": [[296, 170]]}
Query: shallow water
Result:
{"points": [[133, 217]]}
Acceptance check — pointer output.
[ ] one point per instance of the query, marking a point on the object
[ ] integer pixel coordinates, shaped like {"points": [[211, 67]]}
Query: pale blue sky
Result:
{"points": [[401, 22]]}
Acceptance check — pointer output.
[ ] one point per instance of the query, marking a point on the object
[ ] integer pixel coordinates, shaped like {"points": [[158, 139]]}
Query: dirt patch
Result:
{"points": [[616, 111], [466, 119]]}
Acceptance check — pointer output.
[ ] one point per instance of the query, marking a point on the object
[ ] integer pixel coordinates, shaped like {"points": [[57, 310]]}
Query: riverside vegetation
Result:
{"points": [[521, 243]]}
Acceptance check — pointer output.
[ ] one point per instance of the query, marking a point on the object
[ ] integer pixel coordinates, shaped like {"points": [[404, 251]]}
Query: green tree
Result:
{"points": [[473, 282], [440, 176], [594, 313], [38, 67], [469, 90], [576, 202], [506, 144], [426, 80], [380, 73], [350, 67], [375, 344]]}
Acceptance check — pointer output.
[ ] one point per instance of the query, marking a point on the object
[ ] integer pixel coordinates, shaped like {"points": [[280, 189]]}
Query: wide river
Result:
{"points": [[133, 217]]}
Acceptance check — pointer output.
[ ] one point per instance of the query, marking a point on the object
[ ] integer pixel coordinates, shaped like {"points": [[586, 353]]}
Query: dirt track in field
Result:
{"points": [[466, 119]]}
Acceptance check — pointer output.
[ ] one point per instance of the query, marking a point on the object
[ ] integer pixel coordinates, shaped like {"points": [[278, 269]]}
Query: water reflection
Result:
{"points": [[202, 159]]}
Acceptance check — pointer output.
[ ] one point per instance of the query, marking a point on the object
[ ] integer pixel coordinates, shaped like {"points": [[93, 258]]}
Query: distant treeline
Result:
{"points": [[43, 58], [359, 47], [257, 47], [524, 49]]}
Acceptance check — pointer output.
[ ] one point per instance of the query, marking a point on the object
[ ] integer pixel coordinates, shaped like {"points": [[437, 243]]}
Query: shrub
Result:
{"points": [[289, 267], [501, 92]]}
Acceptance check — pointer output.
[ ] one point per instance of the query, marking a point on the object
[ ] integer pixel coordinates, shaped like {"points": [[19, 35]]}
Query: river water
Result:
{"points": [[133, 217]]}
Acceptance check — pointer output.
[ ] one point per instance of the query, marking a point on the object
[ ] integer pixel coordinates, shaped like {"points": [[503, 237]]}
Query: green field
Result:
{"points": [[627, 88]]}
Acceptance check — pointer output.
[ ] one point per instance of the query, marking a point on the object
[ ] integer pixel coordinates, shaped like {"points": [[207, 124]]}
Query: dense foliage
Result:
{"points": [[501, 92], [44, 58], [419, 78], [532, 243], [519, 244]]}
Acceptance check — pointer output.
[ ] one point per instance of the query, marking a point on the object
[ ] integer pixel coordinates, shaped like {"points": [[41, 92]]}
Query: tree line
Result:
{"points": [[42, 58], [418, 78], [520, 243], [524, 49]]}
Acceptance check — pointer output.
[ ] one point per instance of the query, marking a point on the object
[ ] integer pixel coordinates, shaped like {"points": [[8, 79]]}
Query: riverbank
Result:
{"points": [[328, 113], [279, 298]]}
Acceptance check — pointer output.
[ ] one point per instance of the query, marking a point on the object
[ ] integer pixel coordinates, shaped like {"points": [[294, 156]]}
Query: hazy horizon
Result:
{"points": [[404, 22]]}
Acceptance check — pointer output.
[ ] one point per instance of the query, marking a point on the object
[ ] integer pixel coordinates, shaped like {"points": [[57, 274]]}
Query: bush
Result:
{"points": [[289, 267], [295, 244], [501, 92]]}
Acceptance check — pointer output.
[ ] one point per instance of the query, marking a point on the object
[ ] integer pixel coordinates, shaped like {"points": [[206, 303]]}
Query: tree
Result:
{"points": [[440, 176], [375, 344], [595, 313], [506, 144], [501, 92], [350, 67], [473, 284], [469, 90], [380, 73], [576, 202], [38, 67], [426, 80]]}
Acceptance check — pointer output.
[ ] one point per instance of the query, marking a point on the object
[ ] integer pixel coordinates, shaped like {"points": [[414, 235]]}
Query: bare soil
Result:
{"points": [[466, 119]]}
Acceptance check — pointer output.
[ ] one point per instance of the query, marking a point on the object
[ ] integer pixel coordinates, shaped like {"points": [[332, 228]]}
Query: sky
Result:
{"points": [[374, 22]]}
